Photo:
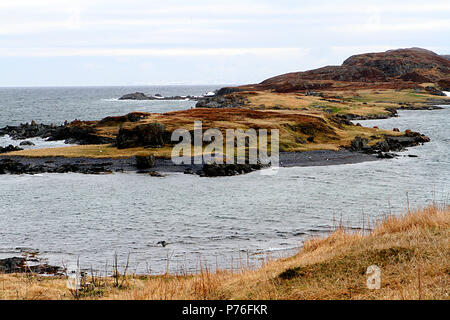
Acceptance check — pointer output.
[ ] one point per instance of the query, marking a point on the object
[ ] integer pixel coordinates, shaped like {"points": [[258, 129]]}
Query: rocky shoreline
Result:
{"points": [[25, 165], [358, 152], [69, 132], [24, 265]]}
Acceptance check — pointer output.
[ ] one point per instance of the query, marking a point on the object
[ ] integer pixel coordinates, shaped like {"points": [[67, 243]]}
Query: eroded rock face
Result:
{"points": [[146, 135]]}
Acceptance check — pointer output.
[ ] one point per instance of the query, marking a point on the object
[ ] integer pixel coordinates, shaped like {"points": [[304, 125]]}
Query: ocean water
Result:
{"points": [[55, 105], [226, 221]]}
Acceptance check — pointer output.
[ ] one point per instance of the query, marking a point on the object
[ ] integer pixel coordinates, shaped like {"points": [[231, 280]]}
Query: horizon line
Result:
{"points": [[127, 85]]}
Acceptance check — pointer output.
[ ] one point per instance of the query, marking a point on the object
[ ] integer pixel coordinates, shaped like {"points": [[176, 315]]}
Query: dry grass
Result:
{"points": [[412, 251], [366, 102], [92, 151], [294, 127]]}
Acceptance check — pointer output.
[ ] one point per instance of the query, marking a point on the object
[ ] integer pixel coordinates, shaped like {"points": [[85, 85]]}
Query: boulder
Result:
{"points": [[220, 170], [358, 143], [27, 143], [145, 161], [386, 155]]}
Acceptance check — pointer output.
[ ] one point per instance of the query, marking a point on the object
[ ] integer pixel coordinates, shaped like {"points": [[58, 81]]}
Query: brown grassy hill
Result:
{"points": [[400, 69]]}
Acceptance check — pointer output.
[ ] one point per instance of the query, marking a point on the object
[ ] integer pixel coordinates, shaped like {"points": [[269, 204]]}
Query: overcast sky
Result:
{"points": [[57, 42]]}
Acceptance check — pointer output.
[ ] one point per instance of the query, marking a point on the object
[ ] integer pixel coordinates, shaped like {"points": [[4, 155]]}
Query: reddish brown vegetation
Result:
{"points": [[399, 69]]}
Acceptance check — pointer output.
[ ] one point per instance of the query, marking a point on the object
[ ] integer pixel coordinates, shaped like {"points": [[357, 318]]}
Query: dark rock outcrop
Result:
{"points": [[391, 113], [130, 117], [78, 135], [13, 166], [26, 131], [145, 135], [12, 265], [142, 96], [390, 143], [135, 96], [19, 265], [70, 133], [220, 170], [145, 161], [9, 148], [27, 143], [434, 91], [222, 101], [444, 84], [228, 90], [359, 144]]}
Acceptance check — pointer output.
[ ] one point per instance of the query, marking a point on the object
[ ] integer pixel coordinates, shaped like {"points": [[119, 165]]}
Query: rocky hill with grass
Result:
{"points": [[399, 69]]}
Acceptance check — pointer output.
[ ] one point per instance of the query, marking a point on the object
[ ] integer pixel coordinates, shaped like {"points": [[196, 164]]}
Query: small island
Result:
{"points": [[143, 96]]}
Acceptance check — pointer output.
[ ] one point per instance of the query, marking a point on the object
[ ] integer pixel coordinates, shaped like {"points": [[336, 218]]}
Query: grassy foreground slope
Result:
{"points": [[412, 251]]}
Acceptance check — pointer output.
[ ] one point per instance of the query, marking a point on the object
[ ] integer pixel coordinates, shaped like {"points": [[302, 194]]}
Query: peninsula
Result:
{"points": [[315, 111]]}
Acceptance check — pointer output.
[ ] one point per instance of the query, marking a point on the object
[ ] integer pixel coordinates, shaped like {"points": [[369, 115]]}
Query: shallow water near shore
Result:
{"points": [[225, 221]]}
